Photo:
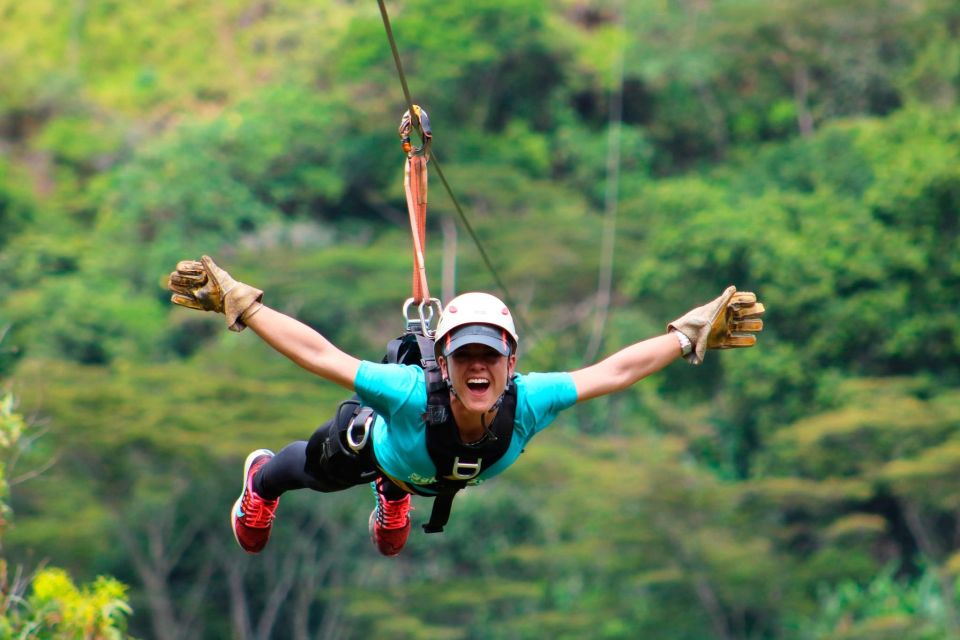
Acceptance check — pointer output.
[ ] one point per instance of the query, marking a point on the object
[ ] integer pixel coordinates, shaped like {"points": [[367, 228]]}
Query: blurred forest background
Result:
{"points": [[808, 150]]}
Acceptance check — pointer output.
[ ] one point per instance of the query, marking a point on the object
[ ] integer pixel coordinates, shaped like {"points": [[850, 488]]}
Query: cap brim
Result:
{"points": [[497, 344]]}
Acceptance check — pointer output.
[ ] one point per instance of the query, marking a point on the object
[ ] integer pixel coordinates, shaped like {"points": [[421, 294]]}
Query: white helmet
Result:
{"points": [[476, 318]]}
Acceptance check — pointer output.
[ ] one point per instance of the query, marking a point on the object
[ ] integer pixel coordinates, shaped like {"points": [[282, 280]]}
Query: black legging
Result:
{"points": [[287, 471], [305, 465]]}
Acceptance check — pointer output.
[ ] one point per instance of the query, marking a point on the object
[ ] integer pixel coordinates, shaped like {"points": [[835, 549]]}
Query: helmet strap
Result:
{"points": [[493, 409], [450, 386], [486, 429]]}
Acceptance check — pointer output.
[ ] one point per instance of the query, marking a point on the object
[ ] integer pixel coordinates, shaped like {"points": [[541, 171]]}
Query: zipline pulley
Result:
{"points": [[421, 122]]}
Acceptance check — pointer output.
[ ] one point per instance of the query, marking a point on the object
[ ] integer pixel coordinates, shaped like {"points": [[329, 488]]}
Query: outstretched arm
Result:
{"points": [[205, 286], [730, 321], [626, 367], [304, 346]]}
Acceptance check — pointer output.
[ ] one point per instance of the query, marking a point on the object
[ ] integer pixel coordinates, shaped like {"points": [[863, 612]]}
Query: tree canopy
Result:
{"points": [[807, 151]]}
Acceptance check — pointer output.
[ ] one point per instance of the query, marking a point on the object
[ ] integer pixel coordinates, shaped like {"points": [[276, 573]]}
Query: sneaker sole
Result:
{"points": [[246, 472]]}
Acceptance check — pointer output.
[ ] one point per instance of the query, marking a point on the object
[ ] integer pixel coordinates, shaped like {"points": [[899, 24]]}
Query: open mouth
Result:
{"points": [[478, 386]]}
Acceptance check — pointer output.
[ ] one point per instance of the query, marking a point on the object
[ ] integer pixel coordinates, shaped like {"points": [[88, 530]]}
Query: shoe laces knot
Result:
{"points": [[257, 511], [391, 514]]}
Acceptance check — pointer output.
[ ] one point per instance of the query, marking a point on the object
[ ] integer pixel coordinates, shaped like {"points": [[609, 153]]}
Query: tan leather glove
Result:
{"points": [[205, 286], [729, 322]]}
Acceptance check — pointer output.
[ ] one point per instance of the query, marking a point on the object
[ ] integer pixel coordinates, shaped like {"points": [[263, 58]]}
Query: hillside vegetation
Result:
{"points": [[806, 150]]}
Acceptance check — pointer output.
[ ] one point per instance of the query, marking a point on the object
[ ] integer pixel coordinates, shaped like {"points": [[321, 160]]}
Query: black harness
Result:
{"points": [[456, 463]]}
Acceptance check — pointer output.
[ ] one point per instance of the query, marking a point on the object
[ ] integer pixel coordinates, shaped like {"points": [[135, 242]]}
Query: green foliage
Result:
{"points": [[50, 605], [90, 329], [11, 428], [486, 56], [884, 607], [857, 437], [15, 202], [807, 151], [57, 608]]}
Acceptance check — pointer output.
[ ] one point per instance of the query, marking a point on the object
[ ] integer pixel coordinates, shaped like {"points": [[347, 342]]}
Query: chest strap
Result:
{"points": [[458, 464]]}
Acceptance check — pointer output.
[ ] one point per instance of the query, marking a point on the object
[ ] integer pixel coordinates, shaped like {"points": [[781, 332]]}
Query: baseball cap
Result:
{"points": [[484, 334]]}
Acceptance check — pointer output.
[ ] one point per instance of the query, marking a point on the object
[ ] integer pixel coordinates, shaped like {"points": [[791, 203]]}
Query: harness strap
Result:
{"points": [[393, 351], [440, 513], [448, 455], [437, 407]]}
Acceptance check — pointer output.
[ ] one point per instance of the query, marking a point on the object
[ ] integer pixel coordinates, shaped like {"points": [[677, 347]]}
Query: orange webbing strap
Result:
{"points": [[415, 186]]}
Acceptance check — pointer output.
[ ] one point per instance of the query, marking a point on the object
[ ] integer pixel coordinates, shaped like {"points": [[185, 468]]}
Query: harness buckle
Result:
{"points": [[465, 469], [435, 414], [360, 426]]}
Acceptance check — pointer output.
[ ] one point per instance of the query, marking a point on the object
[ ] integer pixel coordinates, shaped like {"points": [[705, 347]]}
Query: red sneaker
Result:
{"points": [[252, 516], [389, 521]]}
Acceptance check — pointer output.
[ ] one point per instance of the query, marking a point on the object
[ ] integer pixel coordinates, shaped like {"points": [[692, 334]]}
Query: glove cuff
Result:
{"points": [[697, 333], [697, 324], [686, 347], [240, 303]]}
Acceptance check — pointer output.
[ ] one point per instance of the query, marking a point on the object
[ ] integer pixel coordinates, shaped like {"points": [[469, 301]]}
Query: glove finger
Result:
{"points": [[737, 341], [748, 324], [191, 270], [721, 304], [186, 301], [211, 267], [753, 311], [729, 294], [190, 266], [743, 298], [182, 281], [186, 292]]}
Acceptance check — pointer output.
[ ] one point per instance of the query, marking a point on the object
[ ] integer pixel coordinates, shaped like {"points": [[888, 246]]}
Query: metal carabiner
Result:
{"points": [[435, 308], [426, 311], [421, 121]]}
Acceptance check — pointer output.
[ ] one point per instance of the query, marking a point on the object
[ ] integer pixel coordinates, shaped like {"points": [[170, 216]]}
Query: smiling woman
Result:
{"points": [[476, 343], [461, 417]]}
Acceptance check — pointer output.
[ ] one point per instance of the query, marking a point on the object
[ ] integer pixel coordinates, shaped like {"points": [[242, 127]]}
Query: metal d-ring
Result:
{"points": [[365, 418]]}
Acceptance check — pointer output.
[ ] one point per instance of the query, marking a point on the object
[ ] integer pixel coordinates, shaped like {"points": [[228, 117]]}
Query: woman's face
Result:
{"points": [[479, 374]]}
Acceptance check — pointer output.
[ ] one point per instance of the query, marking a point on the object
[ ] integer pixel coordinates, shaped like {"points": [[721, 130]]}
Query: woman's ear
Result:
{"points": [[511, 365], [443, 366]]}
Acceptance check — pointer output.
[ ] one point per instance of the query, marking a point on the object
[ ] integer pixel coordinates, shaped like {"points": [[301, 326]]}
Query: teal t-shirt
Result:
{"points": [[398, 393]]}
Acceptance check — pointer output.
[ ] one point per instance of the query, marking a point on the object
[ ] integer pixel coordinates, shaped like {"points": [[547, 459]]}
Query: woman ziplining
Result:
{"points": [[461, 417], [446, 408]]}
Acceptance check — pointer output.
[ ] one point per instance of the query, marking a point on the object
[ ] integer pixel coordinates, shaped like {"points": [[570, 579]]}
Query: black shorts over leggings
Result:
{"points": [[323, 463]]}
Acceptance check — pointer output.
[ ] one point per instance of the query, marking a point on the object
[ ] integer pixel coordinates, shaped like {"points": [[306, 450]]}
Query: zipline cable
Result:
{"points": [[446, 185], [396, 54]]}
